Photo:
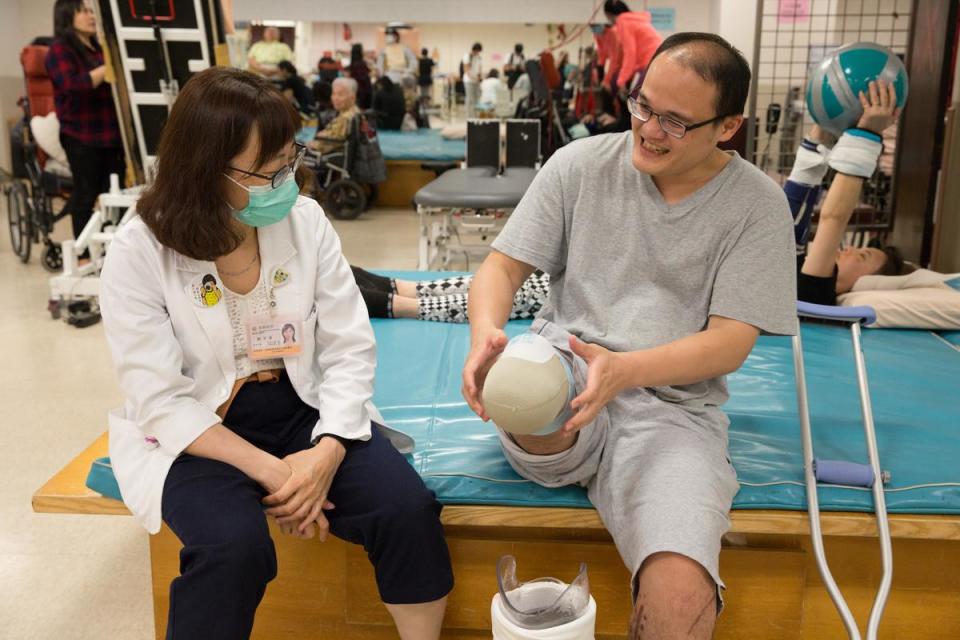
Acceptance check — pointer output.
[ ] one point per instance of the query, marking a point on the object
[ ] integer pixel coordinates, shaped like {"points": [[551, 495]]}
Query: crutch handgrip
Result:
{"points": [[846, 473]]}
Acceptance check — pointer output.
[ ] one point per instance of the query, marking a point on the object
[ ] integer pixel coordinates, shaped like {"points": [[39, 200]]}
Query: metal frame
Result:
{"points": [[78, 280], [444, 229], [785, 50], [168, 93], [813, 506]]}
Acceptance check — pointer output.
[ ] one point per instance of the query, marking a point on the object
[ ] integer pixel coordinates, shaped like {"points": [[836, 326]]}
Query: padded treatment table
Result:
{"points": [[774, 591], [912, 375], [468, 206], [421, 145]]}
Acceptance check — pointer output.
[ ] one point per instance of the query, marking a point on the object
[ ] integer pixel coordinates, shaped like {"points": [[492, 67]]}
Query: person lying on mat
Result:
{"points": [[440, 300], [824, 270], [667, 256], [247, 360]]}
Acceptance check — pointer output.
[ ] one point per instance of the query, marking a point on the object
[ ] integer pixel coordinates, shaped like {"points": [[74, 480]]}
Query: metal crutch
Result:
{"points": [[854, 316]]}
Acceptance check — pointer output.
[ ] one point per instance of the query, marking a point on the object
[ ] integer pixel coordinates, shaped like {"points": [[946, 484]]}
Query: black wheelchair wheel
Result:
{"points": [[19, 221], [345, 199], [51, 257]]}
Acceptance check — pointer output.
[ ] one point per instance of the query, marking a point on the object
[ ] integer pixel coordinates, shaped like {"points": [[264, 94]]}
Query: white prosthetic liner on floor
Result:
{"points": [[541, 609], [529, 388]]}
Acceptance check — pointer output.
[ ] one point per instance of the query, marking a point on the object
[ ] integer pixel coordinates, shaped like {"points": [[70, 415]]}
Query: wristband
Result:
{"points": [[810, 166], [856, 153], [344, 441]]}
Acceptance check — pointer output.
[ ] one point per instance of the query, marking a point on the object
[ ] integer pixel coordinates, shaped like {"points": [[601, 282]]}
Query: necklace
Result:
{"points": [[256, 259]]}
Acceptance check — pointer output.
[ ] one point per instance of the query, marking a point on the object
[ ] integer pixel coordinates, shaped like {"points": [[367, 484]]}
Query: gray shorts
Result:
{"points": [[657, 473]]}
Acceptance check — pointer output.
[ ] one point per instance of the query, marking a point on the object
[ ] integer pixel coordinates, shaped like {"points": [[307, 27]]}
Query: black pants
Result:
{"points": [[377, 292], [228, 556], [91, 168]]}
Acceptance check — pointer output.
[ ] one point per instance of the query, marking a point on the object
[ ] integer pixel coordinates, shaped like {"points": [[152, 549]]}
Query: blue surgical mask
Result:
{"points": [[267, 205]]}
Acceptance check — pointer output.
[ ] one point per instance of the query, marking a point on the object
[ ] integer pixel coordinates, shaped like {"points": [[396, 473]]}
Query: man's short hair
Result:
{"points": [[349, 84], [286, 65], [716, 61], [476, 47]]}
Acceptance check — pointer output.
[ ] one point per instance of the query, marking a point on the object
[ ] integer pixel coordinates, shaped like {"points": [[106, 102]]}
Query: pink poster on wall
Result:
{"points": [[793, 10]]}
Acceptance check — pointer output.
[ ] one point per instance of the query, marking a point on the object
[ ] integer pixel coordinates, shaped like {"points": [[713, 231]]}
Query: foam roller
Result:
{"points": [[847, 473]]}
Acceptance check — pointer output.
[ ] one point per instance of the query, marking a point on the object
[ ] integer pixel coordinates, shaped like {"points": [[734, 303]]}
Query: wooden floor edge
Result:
{"points": [[566, 521], [939, 527]]}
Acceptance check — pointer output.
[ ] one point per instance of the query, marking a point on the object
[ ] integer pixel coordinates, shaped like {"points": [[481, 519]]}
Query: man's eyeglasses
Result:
{"points": [[281, 175], [670, 126]]}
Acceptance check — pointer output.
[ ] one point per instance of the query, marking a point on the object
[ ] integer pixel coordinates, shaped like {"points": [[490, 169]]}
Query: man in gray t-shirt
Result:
{"points": [[667, 257]]}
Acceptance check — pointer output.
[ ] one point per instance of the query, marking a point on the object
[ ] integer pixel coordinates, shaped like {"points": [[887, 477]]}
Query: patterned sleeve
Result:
{"points": [[65, 70]]}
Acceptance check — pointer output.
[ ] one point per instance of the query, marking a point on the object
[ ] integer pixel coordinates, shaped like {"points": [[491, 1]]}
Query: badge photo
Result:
{"points": [[274, 336]]}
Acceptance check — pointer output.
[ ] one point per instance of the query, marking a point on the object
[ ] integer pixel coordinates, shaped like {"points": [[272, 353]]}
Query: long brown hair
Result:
{"points": [[208, 126]]}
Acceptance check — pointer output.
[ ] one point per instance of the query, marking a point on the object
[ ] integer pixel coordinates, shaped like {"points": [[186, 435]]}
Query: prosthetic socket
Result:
{"points": [[529, 389]]}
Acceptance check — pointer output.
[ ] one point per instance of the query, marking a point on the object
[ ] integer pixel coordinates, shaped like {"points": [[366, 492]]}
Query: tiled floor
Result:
{"points": [[65, 577]]}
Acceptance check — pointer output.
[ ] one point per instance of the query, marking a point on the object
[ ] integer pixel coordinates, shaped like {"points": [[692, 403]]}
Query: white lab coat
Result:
{"points": [[174, 355]]}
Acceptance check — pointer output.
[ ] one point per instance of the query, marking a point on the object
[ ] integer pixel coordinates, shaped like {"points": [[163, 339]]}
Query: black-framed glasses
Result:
{"points": [[278, 178], [670, 126]]}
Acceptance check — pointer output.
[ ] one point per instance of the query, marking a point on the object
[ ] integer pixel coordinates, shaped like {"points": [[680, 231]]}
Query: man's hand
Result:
{"points": [[879, 106], [483, 353], [605, 379], [299, 503]]}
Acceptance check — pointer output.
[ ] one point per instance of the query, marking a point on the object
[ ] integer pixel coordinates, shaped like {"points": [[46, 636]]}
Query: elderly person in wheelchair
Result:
{"points": [[344, 157], [344, 100]]}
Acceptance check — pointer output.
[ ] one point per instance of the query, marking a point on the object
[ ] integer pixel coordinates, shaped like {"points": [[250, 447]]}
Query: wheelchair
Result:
{"points": [[346, 178], [30, 194]]}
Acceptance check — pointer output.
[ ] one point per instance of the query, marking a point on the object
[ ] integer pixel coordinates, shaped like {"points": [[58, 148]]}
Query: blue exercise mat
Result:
{"points": [[913, 382], [422, 144], [953, 337], [101, 479], [912, 376]]}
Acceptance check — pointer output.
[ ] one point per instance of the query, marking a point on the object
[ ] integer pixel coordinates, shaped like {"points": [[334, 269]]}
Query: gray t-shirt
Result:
{"points": [[630, 272]]}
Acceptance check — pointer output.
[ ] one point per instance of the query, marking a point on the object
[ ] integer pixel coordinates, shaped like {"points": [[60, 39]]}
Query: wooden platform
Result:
{"points": [[404, 179], [326, 590]]}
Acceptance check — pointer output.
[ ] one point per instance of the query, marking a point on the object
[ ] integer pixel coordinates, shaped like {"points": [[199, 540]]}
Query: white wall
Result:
{"points": [[498, 33], [450, 26], [20, 22], [736, 20], [449, 11]]}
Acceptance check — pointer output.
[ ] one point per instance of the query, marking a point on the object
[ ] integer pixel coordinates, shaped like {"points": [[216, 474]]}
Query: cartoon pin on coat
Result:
{"points": [[210, 293]]}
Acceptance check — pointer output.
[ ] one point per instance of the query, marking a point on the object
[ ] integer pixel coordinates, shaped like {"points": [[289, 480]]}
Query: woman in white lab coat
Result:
{"points": [[230, 418]]}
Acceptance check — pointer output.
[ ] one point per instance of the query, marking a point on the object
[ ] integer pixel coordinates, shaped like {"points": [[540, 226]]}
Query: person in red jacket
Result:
{"points": [[629, 45], [89, 129]]}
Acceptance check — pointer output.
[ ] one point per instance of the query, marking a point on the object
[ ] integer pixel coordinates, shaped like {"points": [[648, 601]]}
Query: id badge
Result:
{"points": [[274, 336]]}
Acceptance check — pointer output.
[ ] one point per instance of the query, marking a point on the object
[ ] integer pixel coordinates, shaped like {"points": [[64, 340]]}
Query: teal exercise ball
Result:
{"points": [[834, 85]]}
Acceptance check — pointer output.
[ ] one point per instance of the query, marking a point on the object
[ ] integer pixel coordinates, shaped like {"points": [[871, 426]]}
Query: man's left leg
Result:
{"points": [[676, 598], [664, 490]]}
